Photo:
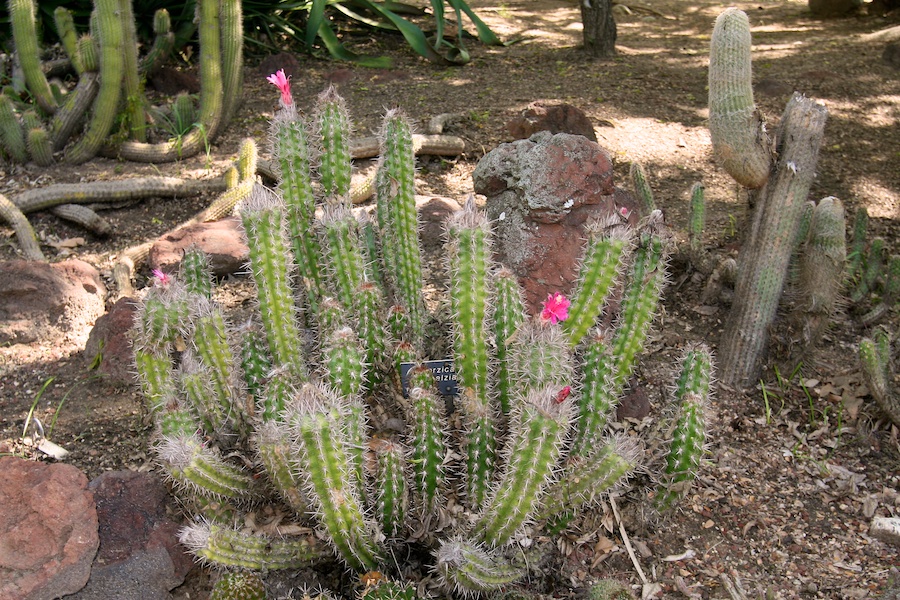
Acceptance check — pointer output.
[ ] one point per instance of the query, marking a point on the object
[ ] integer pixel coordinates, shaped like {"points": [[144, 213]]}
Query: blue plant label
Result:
{"points": [[443, 372]]}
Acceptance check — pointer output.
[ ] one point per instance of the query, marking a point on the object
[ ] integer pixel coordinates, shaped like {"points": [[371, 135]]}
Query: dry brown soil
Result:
{"points": [[796, 468]]}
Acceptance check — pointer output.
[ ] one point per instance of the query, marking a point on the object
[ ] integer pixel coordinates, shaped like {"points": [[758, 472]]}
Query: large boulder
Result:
{"points": [[48, 529], [540, 193], [221, 240], [49, 302]]}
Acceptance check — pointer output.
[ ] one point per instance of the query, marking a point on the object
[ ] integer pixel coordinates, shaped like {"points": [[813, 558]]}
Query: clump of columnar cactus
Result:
{"points": [[291, 407]]}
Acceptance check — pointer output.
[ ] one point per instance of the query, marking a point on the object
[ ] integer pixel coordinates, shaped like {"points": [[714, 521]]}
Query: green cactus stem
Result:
{"points": [[262, 218], [70, 115], [65, 28], [538, 430], [176, 419], [202, 470], [196, 272], [890, 294], [608, 246], [509, 314], [392, 495], [585, 479], [291, 146], [279, 459], [764, 258], [89, 51], [735, 125], [163, 44], [164, 318], [324, 456], [154, 367], [689, 435], [112, 66], [37, 140], [875, 357], [256, 363], [333, 122], [22, 18], [226, 547], [132, 84], [428, 444], [598, 395], [398, 323], [398, 219], [856, 256], [27, 240], [343, 253], [197, 383], [12, 134], [821, 269], [641, 298], [642, 188], [471, 569], [343, 362], [371, 328], [540, 356], [468, 251], [241, 585], [232, 62]]}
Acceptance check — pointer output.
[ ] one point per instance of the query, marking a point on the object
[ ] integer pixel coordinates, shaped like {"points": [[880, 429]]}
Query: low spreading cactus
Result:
{"points": [[292, 407]]}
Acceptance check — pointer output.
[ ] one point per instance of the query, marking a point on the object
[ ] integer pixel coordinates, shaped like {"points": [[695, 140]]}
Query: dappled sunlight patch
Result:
{"points": [[881, 202]]}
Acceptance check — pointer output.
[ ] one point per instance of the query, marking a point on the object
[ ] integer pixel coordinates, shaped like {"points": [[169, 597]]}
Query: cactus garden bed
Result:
{"points": [[794, 469]]}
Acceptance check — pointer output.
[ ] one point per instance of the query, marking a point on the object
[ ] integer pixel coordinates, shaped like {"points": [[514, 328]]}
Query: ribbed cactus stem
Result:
{"points": [[112, 65], [689, 435], [228, 547], [371, 329], [210, 340], [163, 317], [392, 495], [40, 146], [509, 314], [427, 443], [540, 356], [586, 478], [241, 585], [608, 245], [132, 84], [231, 30], [735, 126], [480, 446], [262, 218], [468, 253], [163, 43], [368, 235], [764, 259], [255, 362], [331, 316], [599, 393], [176, 420], [856, 257], [279, 459], [89, 51], [154, 367], [641, 298], [872, 270], [398, 323], [343, 253], [70, 115], [202, 470], [24, 30], [196, 272], [344, 363], [335, 166], [197, 383], [642, 188], [12, 135], [65, 28], [291, 147], [875, 357], [325, 459], [538, 430], [821, 268], [398, 219], [697, 219], [471, 569]]}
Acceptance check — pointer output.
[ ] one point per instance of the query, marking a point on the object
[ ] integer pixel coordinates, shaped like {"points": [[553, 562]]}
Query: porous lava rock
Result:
{"points": [[48, 529], [540, 193], [108, 349], [49, 302], [555, 118]]}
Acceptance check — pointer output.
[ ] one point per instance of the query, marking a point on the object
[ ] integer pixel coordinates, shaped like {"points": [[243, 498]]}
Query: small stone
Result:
{"points": [[108, 348], [555, 118], [222, 241]]}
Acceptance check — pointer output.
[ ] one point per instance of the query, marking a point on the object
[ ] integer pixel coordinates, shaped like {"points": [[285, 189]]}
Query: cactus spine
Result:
{"points": [[509, 314], [642, 187], [224, 546], [470, 568], [22, 18], [335, 165], [735, 126], [875, 356], [390, 483], [428, 445]]}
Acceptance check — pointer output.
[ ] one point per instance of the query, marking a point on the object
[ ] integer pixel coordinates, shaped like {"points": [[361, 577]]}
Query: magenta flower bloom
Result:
{"points": [[283, 83], [161, 278], [556, 308]]}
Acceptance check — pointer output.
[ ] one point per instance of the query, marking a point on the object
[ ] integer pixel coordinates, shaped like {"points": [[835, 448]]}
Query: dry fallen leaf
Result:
{"points": [[67, 243]]}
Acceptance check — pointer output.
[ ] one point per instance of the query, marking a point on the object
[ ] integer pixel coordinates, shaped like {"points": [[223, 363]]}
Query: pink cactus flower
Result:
{"points": [[556, 308], [563, 394], [283, 83], [162, 279]]}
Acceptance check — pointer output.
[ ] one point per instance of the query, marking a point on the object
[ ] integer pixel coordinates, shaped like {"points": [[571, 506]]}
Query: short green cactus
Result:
{"points": [[877, 367], [241, 585], [334, 434]]}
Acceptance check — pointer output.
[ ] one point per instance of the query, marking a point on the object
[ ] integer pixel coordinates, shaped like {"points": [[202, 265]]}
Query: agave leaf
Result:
{"points": [[485, 34], [337, 50], [314, 21], [413, 35], [438, 7]]}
